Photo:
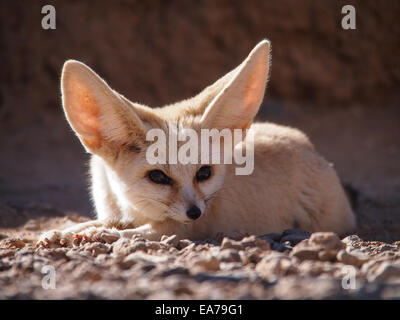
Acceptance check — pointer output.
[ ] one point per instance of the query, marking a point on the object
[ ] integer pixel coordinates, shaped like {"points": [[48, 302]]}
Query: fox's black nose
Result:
{"points": [[193, 212]]}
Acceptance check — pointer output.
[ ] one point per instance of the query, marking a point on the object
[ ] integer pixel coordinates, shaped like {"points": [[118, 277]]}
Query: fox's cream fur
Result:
{"points": [[291, 186]]}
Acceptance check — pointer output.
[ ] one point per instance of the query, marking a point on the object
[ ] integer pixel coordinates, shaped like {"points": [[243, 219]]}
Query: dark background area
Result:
{"points": [[342, 87]]}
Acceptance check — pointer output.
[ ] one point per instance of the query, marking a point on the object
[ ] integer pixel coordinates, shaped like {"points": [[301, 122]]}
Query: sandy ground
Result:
{"points": [[291, 265]]}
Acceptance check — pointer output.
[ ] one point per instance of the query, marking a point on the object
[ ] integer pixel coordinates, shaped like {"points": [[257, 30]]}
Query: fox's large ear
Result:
{"points": [[238, 102], [97, 114]]}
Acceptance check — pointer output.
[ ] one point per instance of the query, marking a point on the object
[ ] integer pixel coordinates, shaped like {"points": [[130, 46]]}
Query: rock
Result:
{"points": [[251, 255], [367, 249], [189, 247], [320, 246], [355, 258], [175, 271], [141, 257], [386, 271], [125, 247], [294, 236], [172, 250], [276, 264], [150, 245], [327, 255], [303, 252], [235, 235], [315, 268], [386, 247], [202, 247], [103, 258], [209, 263], [170, 241], [12, 243], [184, 243], [351, 239], [73, 254], [32, 225], [229, 255], [253, 241], [231, 244], [183, 291], [288, 232], [292, 287], [230, 266], [56, 253], [387, 255], [109, 237], [326, 240], [370, 267], [245, 258], [128, 262], [281, 247], [162, 295], [88, 271], [96, 248], [24, 251], [26, 262], [270, 237], [6, 253], [294, 239]]}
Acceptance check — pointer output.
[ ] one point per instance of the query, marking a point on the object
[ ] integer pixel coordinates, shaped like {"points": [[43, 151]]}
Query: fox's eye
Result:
{"points": [[204, 173], [157, 176]]}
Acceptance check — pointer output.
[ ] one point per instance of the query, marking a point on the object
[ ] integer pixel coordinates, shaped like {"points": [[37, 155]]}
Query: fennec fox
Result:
{"points": [[291, 185]]}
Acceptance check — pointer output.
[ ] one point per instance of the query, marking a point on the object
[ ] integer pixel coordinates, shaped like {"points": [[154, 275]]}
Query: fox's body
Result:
{"points": [[291, 185]]}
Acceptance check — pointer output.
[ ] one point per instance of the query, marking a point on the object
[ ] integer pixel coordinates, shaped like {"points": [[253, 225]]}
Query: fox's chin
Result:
{"points": [[180, 219], [160, 216], [153, 214]]}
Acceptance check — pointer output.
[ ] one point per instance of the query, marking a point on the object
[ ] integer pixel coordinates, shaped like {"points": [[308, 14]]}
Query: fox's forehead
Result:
{"points": [[184, 173], [177, 133], [174, 125]]}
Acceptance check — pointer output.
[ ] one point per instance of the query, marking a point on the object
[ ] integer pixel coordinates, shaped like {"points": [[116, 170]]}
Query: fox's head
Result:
{"points": [[114, 130]]}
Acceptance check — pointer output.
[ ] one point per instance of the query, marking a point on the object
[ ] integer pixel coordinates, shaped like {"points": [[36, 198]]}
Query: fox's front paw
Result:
{"points": [[54, 239], [97, 234]]}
